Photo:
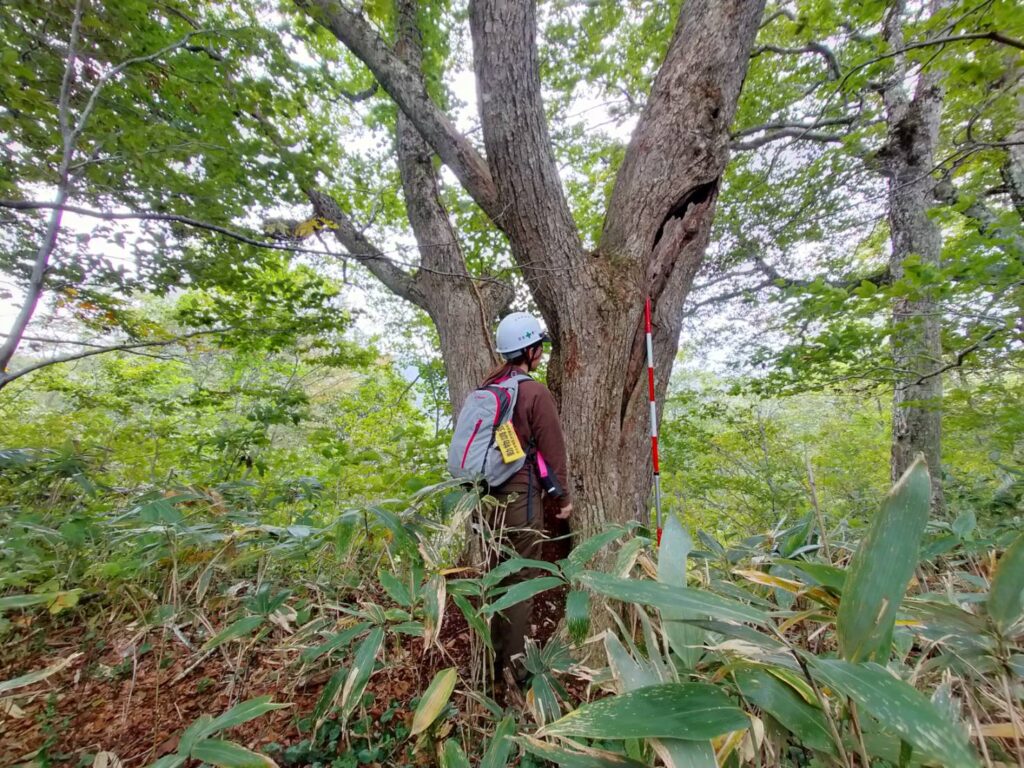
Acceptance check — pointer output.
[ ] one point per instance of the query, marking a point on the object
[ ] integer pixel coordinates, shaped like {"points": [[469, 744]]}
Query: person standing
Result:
{"points": [[518, 518]]}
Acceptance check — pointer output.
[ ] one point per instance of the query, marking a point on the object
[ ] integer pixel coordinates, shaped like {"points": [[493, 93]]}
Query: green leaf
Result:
{"points": [[630, 673], [515, 565], [63, 600], [741, 632], [685, 639], [360, 671], [241, 628], [546, 705], [524, 590], [878, 575], [434, 700], [662, 596], [330, 692], [39, 674], [585, 551], [580, 757], [435, 602], [784, 704], [692, 711], [473, 619], [633, 674], [500, 746], [825, 575], [1006, 598], [198, 730], [244, 712], [169, 761], [336, 641], [577, 615], [899, 707], [396, 588], [452, 755], [227, 754]]}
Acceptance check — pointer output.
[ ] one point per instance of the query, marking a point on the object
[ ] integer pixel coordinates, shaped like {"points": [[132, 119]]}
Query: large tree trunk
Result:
{"points": [[655, 231], [654, 236], [909, 154]]}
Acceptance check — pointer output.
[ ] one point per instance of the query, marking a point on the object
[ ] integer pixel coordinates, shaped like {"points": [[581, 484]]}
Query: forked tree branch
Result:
{"points": [[407, 88], [397, 280]]}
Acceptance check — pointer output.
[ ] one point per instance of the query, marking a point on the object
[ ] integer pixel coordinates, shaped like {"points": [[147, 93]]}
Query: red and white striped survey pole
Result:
{"points": [[654, 414]]}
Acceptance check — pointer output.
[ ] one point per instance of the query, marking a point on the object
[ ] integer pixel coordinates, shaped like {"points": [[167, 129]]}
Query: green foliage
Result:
{"points": [[878, 575], [827, 706], [1006, 599], [197, 743], [258, 480], [802, 229]]}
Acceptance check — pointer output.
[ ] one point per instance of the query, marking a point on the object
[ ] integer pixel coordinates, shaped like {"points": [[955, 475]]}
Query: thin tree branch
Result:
{"points": [[89, 344], [777, 280], [880, 277], [70, 135], [361, 255], [363, 95], [812, 47], [397, 280], [729, 296], [107, 76], [351, 237], [786, 133], [986, 219], [784, 124], [961, 355], [34, 205], [781, 13], [7, 378], [898, 51]]}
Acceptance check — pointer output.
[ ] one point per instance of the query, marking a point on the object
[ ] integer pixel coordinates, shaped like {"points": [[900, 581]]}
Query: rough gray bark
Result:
{"points": [[908, 157], [655, 231]]}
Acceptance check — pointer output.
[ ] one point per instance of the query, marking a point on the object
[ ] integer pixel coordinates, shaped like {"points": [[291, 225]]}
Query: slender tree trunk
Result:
{"points": [[41, 264], [909, 155]]}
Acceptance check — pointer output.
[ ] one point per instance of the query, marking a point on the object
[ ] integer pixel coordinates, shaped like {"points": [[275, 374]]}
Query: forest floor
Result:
{"points": [[132, 692]]}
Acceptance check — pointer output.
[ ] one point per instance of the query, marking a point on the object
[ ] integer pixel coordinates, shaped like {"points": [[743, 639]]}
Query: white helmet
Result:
{"points": [[518, 331]]}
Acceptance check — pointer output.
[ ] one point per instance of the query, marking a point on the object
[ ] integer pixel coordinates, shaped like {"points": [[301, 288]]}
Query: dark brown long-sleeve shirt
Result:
{"points": [[536, 418]]}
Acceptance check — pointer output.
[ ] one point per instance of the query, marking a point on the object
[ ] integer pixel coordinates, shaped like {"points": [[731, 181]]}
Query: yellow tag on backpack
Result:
{"points": [[508, 443]]}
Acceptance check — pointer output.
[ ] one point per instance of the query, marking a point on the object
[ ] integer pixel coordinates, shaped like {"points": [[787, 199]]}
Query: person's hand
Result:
{"points": [[564, 512]]}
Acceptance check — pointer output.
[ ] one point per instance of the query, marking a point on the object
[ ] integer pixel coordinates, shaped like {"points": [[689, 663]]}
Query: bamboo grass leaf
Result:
{"points": [[878, 575], [900, 707], [434, 700], [524, 590], [662, 596], [692, 711], [1006, 597]]}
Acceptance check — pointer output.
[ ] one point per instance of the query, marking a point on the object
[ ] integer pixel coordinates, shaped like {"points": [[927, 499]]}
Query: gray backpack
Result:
{"points": [[483, 447]]}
